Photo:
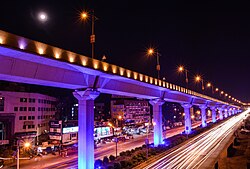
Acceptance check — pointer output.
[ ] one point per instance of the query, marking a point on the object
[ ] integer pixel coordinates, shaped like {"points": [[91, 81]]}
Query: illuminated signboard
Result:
{"points": [[70, 130]]}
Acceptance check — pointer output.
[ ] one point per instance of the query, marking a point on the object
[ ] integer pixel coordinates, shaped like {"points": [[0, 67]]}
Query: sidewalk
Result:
{"points": [[241, 156]]}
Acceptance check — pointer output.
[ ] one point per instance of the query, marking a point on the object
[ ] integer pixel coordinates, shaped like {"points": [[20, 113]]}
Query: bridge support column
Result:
{"points": [[188, 126], [86, 127], [203, 115], [157, 117], [220, 113], [230, 112], [225, 113], [233, 111], [213, 114]]}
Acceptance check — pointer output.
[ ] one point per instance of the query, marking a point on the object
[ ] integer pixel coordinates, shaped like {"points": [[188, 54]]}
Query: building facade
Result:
{"points": [[25, 114], [129, 110]]}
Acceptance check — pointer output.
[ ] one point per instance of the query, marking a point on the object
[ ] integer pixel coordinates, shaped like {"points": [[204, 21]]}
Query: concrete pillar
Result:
{"points": [[188, 125], [233, 111], [230, 112], [220, 113], [213, 114], [225, 113], [86, 127], [203, 116], [157, 119]]}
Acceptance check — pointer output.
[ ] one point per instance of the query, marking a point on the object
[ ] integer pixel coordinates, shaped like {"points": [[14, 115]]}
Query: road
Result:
{"points": [[107, 149], [197, 150]]}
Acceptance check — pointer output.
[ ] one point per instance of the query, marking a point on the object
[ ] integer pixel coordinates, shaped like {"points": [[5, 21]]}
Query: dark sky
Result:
{"points": [[210, 38]]}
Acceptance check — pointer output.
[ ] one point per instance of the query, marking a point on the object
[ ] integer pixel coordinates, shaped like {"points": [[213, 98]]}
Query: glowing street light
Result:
{"points": [[210, 85], [26, 145], [84, 16], [181, 69], [199, 79], [151, 52]]}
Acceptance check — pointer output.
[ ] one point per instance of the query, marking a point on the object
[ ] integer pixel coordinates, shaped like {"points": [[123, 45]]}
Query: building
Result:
{"points": [[67, 132], [25, 114], [100, 112], [130, 110]]}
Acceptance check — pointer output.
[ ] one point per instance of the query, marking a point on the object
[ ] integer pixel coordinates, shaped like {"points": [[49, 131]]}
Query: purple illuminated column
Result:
{"points": [[225, 113], [220, 113], [86, 127], [230, 112], [157, 119], [213, 114], [188, 126], [203, 115]]}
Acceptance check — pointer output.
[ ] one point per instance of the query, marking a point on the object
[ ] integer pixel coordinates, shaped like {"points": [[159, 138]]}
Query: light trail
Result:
{"points": [[196, 151]]}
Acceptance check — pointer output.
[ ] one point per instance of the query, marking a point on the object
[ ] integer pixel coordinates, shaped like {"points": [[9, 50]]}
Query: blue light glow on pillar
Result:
{"points": [[203, 115], [226, 113], [188, 126], [213, 114], [157, 119], [86, 127], [220, 113]]}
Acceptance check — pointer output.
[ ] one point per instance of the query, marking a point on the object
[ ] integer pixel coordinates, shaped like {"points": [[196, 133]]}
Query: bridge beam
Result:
{"points": [[188, 126], [157, 117], [86, 127]]}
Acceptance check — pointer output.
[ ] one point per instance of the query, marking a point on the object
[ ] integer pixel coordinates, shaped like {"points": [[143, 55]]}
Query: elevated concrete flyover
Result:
{"points": [[27, 61]]}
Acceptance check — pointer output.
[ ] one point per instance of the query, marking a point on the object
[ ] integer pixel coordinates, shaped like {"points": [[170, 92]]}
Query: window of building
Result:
{"points": [[1, 103], [20, 117], [24, 117], [24, 108], [15, 108], [33, 109], [33, 117], [29, 117], [21, 108], [23, 99], [29, 109], [24, 126], [32, 100]]}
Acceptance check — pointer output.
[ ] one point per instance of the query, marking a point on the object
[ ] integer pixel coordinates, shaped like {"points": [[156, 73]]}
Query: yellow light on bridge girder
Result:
{"points": [[128, 73], [57, 56], [40, 51], [105, 66], [141, 77], [121, 71], [96, 65], [151, 80], [1, 40], [84, 61], [114, 69], [135, 75]]}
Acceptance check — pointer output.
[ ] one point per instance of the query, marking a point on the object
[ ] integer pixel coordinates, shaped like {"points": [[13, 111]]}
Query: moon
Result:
{"points": [[42, 16]]}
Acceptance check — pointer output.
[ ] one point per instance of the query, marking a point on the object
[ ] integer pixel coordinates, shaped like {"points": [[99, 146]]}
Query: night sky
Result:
{"points": [[209, 38]]}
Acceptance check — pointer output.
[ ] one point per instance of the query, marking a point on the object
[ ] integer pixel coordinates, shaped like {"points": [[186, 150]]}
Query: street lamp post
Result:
{"points": [[18, 153], [85, 15], [26, 145], [210, 85], [116, 139], [181, 69], [158, 67], [199, 79]]}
